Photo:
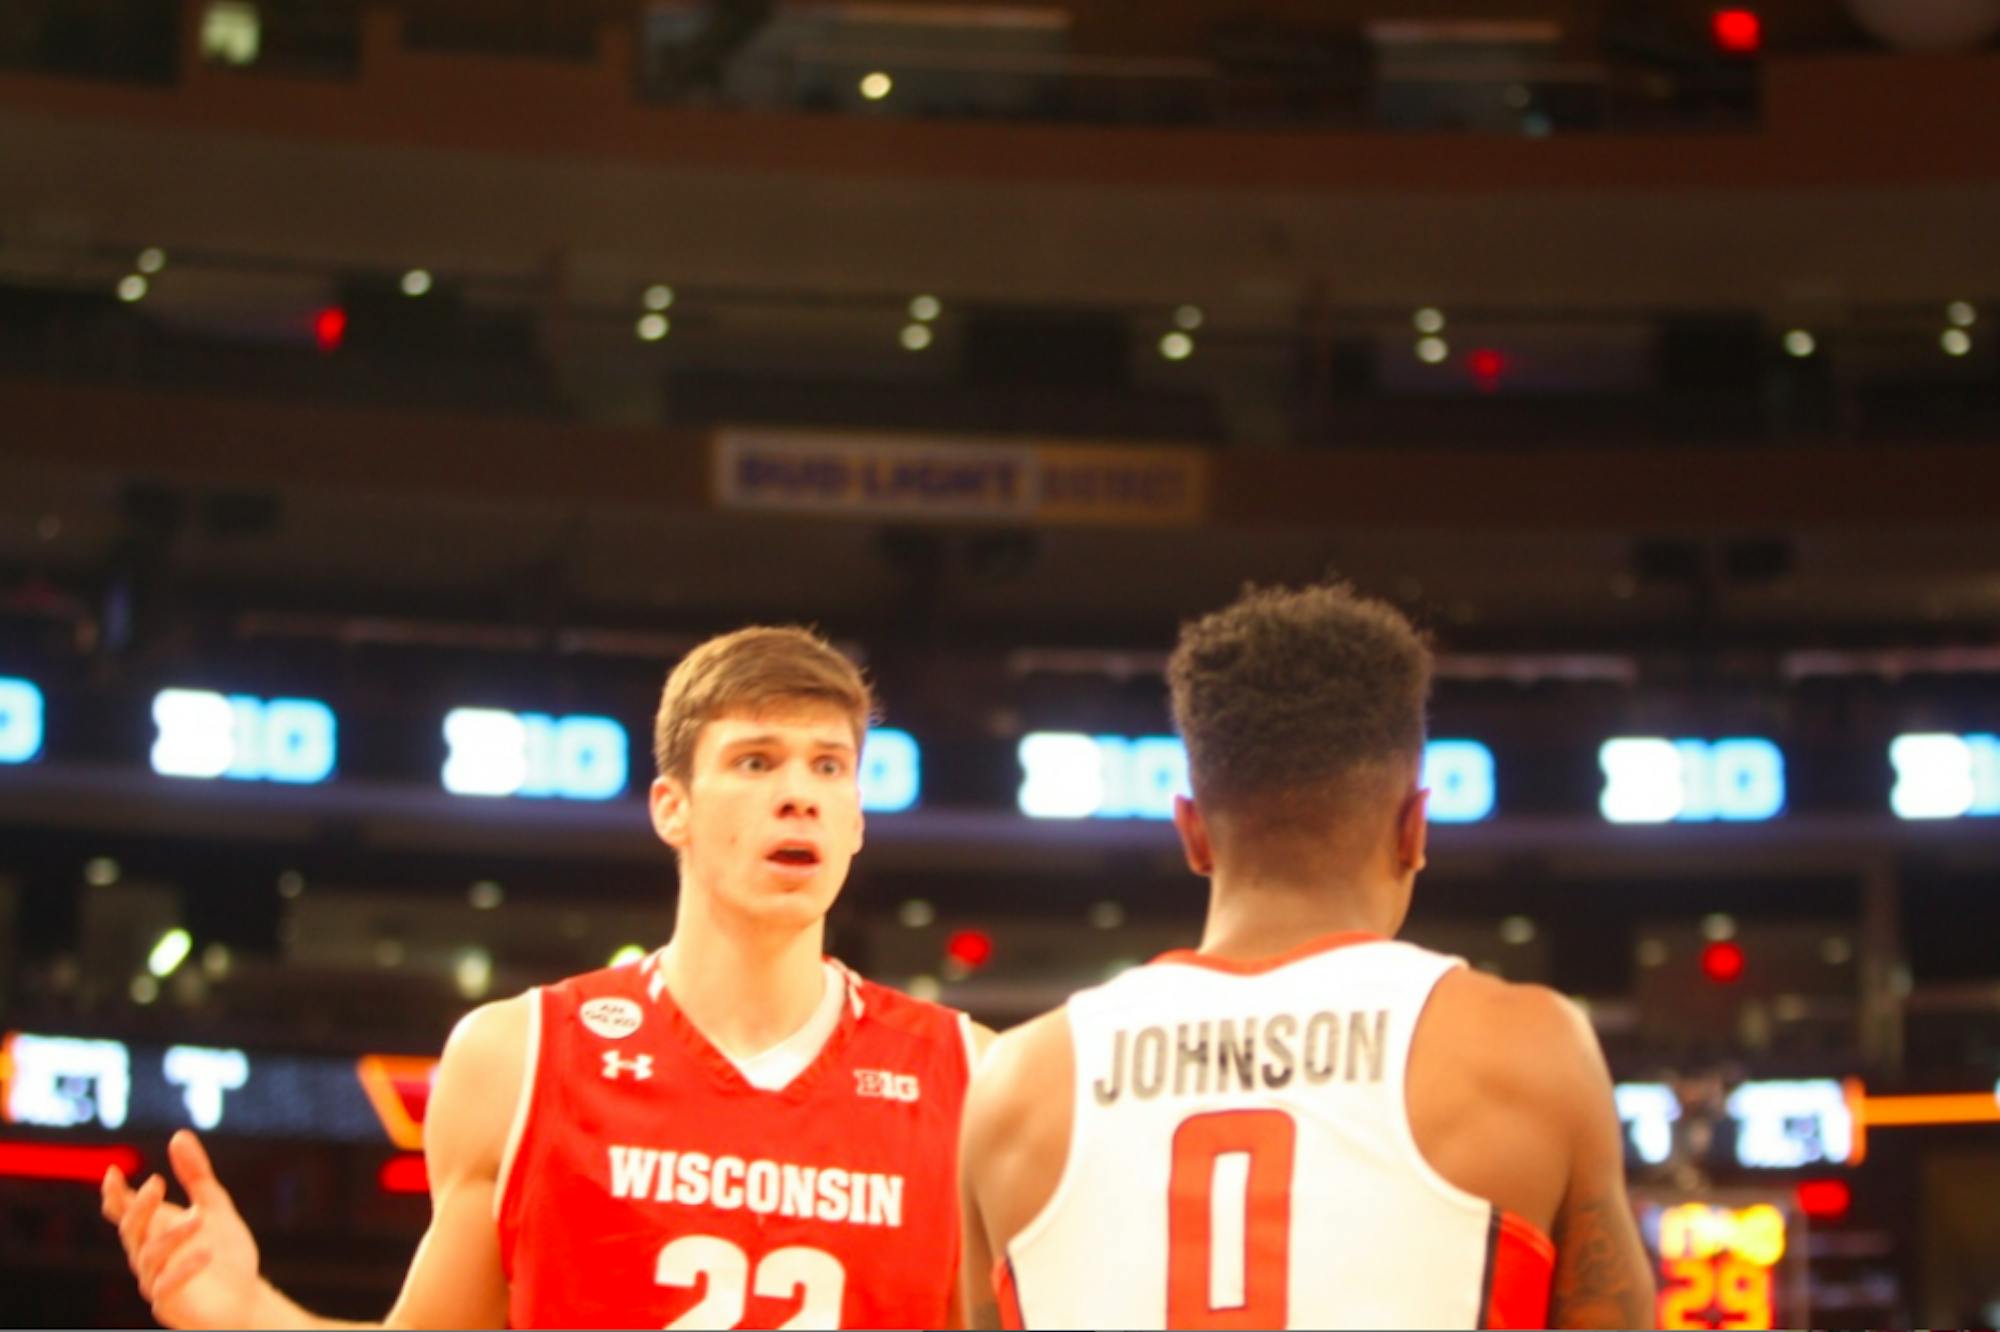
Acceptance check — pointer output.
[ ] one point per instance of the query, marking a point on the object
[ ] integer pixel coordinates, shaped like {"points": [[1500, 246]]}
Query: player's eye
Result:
{"points": [[753, 763], [830, 767]]}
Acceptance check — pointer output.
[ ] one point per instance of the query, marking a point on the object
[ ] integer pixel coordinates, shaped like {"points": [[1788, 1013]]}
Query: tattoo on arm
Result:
{"points": [[1601, 1278]]}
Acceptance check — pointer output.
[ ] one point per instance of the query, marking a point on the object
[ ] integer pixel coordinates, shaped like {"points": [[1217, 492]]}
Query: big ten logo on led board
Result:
{"points": [[1069, 775], [892, 773], [20, 720], [245, 739], [1940, 776], [1652, 780], [492, 752]]}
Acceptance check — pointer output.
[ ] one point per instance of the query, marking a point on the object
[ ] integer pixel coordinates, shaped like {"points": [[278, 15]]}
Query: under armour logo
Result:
{"points": [[888, 1086], [639, 1066]]}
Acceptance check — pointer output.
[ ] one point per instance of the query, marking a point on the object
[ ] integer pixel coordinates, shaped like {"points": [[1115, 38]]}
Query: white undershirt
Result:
{"points": [[774, 1069]]}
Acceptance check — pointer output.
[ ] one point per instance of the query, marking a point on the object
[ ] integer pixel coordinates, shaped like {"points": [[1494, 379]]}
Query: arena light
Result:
{"points": [[203, 734], [64, 1162], [626, 954], [657, 297], [915, 337], [1961, 314], [132, 288], [1737, 32], [21, 720], [1800, 344], [971, 949], [151, 260], [1188, 318], [492, 752], [1825, 1199], [1955, 342], [925, 308], [1722, 962], [1428, 321], [330, 328], [1176, 346], [169, 951], [1944, 776], [891, 771], [1651, 779], [652, 327], [875, 85], [416, 282]]}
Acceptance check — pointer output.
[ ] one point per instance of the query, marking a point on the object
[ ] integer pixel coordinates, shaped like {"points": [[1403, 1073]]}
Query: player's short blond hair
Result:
{"points": [[751, 670]]}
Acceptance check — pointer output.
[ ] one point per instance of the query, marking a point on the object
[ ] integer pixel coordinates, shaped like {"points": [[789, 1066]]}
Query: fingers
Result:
{"points": [[116, 1195], [195, 1172], [178, 1273], [139, 1215], [162, 1246]]}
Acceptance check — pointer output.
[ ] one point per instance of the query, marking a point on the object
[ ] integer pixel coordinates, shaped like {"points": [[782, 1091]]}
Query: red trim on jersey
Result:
{"points": [[1009, 1298], [1520, 1268], [1325, 943]]}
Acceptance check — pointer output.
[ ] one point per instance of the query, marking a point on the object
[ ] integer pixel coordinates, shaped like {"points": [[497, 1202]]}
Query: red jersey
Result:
{"points": [[646, 1183]]}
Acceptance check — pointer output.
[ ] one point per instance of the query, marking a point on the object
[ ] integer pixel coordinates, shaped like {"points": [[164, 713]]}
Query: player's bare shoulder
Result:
{"points": [[479, 1079], [1529, 1029]]}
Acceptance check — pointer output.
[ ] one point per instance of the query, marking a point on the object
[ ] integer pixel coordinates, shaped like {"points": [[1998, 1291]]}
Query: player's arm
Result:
{"points": [[198, 1265], [961, 1312], [1602, 1276]]}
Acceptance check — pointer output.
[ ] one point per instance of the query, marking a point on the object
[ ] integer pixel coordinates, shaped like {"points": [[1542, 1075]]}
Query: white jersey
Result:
{"points": [[1241, 1156]]}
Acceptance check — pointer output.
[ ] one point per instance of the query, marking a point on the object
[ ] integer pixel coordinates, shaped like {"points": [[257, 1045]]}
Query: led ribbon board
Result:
{"points": [[1942, 776], [84, 1085], [1648, 779], [20, 720], [1780, 1125], [1069, 775], [491, 752], [245, 739], [892, 775]]}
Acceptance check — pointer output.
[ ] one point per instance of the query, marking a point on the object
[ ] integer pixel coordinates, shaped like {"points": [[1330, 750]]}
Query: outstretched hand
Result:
{"points": [[196, 1264]]}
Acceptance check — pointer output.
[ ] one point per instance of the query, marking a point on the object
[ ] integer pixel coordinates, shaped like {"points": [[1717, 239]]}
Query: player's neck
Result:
{"points": [[1252, 917], [745, 990]]}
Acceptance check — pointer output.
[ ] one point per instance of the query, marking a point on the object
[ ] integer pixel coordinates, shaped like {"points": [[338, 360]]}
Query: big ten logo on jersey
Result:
{"points": [[884, 1085], [613, 1019]]}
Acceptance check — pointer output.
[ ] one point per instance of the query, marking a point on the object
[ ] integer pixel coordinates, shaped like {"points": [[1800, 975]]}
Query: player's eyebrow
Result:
{"points": [[771, 738]]}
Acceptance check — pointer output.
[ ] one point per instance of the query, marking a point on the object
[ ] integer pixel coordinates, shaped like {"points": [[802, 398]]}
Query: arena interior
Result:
{"points": [[391, 392]]}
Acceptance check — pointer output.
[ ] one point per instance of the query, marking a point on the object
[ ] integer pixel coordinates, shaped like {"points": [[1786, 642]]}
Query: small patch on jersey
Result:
{"points": [[887, 1086], [613, 1019], [639, 1066]]}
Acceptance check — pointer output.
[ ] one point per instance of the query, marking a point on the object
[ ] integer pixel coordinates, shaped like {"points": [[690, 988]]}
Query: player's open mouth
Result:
{"points": [[794, 855]]}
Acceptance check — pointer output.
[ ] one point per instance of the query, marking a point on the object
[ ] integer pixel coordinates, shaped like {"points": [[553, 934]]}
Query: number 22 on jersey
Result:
{"points": [[1229, 1220], [813, 1276]]}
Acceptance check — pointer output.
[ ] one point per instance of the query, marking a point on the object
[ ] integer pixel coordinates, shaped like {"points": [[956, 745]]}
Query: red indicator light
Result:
{"points": [[1487, 366], [405, 1174], [970, 948], [1825, 1199], [1722, 962], [1738, 32], [80, 1165], [330, 327]]}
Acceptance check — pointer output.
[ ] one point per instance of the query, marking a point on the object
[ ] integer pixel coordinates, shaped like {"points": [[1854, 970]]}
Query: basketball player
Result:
{"points": [[1301, 1123], [736, 1132]]}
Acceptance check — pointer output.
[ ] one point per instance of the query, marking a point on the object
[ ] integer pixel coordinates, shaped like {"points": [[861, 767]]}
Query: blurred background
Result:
{"points": [[390, 392]]}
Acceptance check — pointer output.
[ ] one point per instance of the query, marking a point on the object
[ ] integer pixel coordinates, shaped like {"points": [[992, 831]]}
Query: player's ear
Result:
{"points": [[1194, 836], [1413, 831], [667, 799]]}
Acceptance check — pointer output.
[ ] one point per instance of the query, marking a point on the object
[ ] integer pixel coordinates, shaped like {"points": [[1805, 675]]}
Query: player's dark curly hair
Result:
{"points": [[1289, 692]]}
